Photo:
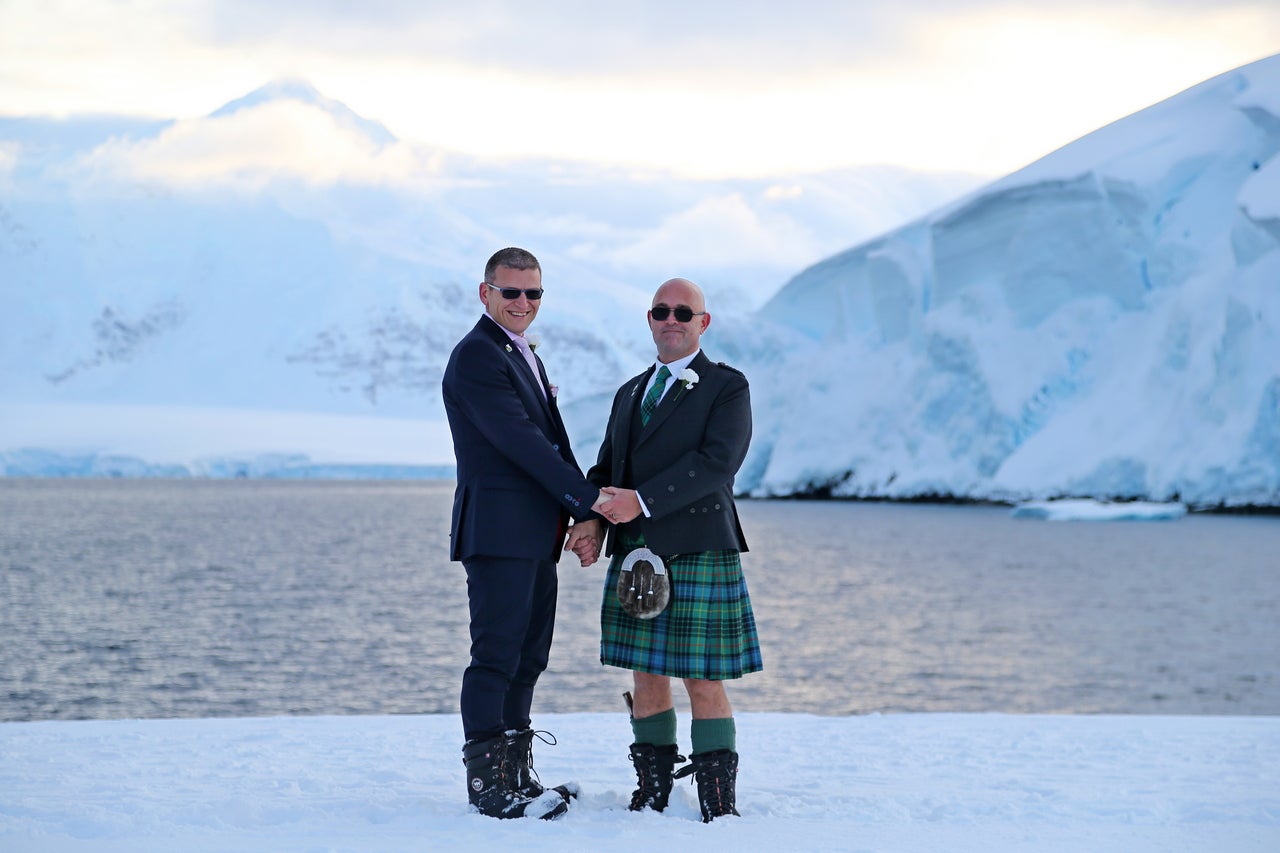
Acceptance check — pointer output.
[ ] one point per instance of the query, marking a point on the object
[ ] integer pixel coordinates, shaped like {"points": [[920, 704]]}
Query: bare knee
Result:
{"points": [[708, 699]]}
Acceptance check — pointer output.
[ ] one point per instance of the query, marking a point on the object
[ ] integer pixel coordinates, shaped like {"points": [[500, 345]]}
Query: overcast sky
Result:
{"points": [[726, 87]]}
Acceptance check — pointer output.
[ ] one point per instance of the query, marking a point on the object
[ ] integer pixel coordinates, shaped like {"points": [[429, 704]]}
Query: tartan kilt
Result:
{"points": [[708, 631]]}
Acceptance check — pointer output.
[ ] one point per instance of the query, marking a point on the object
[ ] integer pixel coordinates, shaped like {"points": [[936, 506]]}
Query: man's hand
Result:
{"points": [[585, 540], [622, 506]]}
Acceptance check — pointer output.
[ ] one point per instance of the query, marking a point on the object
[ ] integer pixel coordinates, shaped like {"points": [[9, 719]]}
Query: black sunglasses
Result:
{"points": [[683, 314], [534, 293]]}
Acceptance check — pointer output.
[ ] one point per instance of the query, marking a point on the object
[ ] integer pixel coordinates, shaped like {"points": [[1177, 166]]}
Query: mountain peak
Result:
{"points": [[300, 90]]}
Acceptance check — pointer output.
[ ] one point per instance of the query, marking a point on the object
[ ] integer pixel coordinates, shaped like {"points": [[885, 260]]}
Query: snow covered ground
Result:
{"points": [[915, 782]]}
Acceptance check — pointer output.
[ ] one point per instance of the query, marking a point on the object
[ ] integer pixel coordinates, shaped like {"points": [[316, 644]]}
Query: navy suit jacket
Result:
{"points": [[518, 482], [683, 461]]}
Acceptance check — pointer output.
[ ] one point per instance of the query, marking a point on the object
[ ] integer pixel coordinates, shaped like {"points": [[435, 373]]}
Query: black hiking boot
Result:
{"points": [[655, 766], [518, 765], [716, 774], [493, 793]]}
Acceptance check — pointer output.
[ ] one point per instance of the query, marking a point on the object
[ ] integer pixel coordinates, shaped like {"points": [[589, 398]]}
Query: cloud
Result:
{"points": [[746, 237], [9, 152], [742, 39], [252, 147], [565, 37], [716, 88], [782, 192]]}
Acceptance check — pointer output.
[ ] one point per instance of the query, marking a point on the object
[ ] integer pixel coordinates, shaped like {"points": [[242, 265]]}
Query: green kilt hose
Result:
{"points": [[708, 631]]}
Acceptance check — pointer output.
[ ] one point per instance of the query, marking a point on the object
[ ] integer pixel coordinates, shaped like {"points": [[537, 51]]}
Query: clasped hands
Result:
{"points": [[617, 505], [586, 538]]}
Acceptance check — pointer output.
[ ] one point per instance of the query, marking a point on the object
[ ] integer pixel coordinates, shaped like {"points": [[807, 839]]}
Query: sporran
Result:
{"points": [[644, 587]]}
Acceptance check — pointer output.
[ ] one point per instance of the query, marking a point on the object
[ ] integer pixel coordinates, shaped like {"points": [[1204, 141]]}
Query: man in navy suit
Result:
{"points": [[518, 487], [677, 434]]}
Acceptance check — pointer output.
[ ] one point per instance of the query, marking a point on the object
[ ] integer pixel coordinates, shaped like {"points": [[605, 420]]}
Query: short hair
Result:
{"points": [[513, 259]]}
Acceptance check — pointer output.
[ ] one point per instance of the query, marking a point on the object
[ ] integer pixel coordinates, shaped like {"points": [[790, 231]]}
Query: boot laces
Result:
{"points": [[714, 795], [649, 785], [513, 763]]}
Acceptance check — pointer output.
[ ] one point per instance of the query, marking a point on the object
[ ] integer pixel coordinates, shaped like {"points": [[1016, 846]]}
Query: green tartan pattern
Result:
{"points": [[708, 630]]}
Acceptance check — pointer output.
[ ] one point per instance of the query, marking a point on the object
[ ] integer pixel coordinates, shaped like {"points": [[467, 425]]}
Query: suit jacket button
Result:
{"points": [[692, 510], [693, 474], [556, 448], [671, 488]]}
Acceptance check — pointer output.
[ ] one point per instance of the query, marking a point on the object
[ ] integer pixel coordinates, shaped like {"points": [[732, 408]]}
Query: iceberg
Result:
{"points": [[1091, 510], [1103, 323]]}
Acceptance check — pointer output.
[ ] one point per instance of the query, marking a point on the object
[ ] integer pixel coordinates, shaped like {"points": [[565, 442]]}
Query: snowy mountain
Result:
{"points": [[1103, 323], [274, 288], [284, 257], [303, 93]]}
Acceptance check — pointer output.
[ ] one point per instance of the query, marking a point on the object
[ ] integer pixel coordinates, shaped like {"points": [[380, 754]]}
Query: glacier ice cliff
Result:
{"points": [[1102, 323]]}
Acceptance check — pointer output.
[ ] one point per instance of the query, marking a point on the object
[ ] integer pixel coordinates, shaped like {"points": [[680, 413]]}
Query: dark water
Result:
{"points": [[215, 598]]}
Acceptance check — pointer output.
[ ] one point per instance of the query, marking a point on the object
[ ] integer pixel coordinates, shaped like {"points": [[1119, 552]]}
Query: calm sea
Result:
{"points": [[143, 598]]}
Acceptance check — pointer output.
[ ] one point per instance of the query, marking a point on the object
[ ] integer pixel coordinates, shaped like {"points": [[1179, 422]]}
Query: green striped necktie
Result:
{"points": [[651, 399]]}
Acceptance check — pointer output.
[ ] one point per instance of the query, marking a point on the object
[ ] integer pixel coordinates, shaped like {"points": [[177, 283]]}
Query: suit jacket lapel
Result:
{"points": [[672, 399], [664, 410], [549, 402], [499, 336], [622, 424]]}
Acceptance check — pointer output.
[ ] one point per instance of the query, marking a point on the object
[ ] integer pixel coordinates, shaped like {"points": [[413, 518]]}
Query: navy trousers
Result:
{"points": [[513, 614]]}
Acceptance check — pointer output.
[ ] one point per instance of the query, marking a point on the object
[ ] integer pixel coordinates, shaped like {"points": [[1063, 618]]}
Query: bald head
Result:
{"points": [[675, 338], [680, 291]]}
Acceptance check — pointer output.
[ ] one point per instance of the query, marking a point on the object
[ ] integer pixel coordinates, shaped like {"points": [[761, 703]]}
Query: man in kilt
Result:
{"points": [[677, 435]]}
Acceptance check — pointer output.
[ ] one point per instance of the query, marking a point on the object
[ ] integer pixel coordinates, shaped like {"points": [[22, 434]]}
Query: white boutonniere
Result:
{"points": [[508, 347], [535, 341], [689, 377]]}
